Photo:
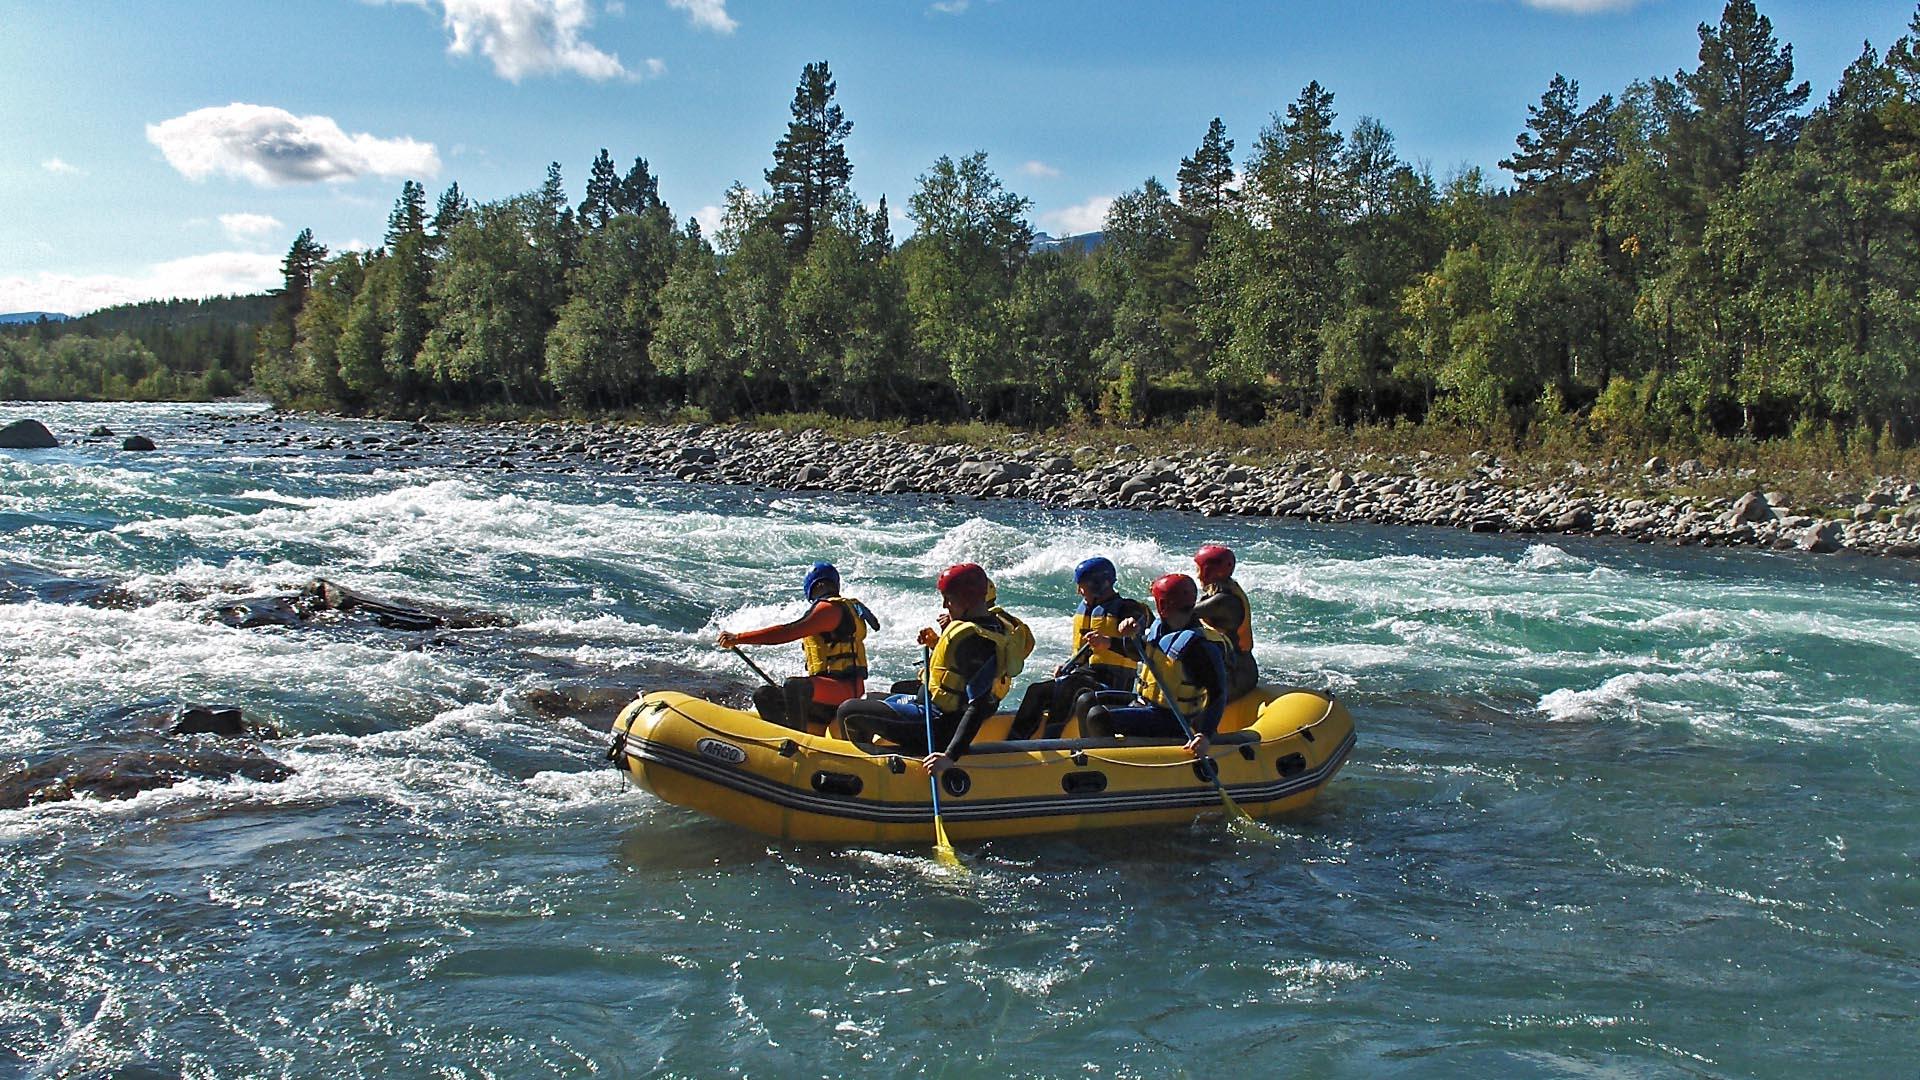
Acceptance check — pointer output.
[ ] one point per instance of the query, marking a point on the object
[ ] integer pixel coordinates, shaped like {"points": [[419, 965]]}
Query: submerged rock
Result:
{"points": [[227, 723], [27, 435], [121, 771]]}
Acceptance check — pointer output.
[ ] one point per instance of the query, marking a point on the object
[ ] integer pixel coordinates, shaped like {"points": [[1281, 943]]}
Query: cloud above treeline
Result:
{"points": [[1040, 170], [1089, 216], [523, 38], [250, 228], [219, 273], [271, 147], [60, 168], [707, 14]]}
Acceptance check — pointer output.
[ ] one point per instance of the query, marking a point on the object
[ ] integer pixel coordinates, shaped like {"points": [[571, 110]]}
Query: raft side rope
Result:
{"points": [[973, 765]]}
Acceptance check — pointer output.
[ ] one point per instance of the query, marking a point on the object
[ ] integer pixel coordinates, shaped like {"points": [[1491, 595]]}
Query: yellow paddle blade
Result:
{"points": [[1243, 824], [943, 852]]}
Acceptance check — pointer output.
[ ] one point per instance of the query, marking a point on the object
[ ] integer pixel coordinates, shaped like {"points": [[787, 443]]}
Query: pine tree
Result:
{"points": [[297, 269], [639, 191], [810, 170], [603, 193], [447, 214], [1206, 178], [1740, 101]]}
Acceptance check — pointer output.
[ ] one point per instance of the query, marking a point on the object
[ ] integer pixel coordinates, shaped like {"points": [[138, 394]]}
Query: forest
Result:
{"points": [[1706, 254], [160, 350]]}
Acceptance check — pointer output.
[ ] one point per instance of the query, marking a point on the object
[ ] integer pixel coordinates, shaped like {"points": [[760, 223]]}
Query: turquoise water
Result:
{"points": [[1615, 810]]}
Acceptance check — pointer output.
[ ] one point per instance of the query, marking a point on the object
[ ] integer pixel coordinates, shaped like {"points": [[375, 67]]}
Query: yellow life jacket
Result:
{"points": [[1022, 638], [840, 653], [948, 686], [1239, 637], [1102, 618], [1190, 696]]}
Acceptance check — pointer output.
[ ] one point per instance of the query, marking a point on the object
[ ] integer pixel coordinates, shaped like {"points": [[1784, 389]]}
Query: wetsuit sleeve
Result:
{"points": [[980, 700], [1206, 667], [1222, 609], [824, 617]]}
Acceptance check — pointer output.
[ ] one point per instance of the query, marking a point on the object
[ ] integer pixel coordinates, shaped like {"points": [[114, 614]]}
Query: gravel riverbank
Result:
{"points": [[1478, 493]]}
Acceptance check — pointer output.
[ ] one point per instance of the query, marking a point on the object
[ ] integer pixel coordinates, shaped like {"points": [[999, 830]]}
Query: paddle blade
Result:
{"points": [[1243, 824], [943, 852]]}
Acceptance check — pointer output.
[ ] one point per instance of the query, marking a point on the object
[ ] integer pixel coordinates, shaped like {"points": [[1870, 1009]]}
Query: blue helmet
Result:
{"points": [[822, 571], [1098, 568]]}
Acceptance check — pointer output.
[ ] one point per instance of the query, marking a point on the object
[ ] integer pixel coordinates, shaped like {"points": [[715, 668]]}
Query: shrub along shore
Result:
{"points": [[1653, 501]]}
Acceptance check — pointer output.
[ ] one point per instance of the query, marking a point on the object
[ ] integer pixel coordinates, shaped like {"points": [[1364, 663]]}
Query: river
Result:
{"points": [[1615, 810]]}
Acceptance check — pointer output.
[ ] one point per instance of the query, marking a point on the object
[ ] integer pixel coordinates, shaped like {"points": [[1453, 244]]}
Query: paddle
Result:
{"points": [[1238, 820], [943, 852], [735, 650], [1085, 650]]}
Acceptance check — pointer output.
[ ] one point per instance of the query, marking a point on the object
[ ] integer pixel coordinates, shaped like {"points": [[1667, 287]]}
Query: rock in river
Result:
{"points": [[27, 435]]}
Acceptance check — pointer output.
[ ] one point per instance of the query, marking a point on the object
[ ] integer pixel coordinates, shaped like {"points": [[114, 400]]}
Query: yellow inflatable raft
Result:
{"points": [[1276, 750]]}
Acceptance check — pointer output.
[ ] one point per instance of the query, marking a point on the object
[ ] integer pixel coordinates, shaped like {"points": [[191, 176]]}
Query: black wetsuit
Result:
{"points": [[898, 717]]}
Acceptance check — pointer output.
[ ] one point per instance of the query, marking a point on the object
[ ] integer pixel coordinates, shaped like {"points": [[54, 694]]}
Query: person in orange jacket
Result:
{"points": [[833, 633]]}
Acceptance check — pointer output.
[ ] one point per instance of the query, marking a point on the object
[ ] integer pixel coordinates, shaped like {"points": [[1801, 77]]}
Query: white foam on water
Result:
{"points": [[1540, 557], [63, 660]]}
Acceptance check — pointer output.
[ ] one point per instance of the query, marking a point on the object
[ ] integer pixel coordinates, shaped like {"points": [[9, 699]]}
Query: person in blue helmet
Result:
{"points": [[833, 634], [1181, 688], [1102, 610]]}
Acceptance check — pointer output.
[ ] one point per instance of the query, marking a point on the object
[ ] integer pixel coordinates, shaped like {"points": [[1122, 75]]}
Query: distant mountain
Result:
{"points": [[1080, 244], [34, 316]]}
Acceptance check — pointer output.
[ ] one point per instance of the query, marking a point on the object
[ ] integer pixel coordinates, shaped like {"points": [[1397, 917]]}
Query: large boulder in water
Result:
{"points": [[136, 442], [27, 435]]}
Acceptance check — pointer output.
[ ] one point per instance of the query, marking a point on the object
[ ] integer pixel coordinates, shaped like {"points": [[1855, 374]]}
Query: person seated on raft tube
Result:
{"points": [[833, 634], [972, 665], [1223, 605], [1190, 655], [1102, 610]]}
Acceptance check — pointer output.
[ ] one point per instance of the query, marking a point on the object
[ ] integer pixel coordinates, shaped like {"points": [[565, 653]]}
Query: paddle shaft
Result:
{"points": [[1084, 651], [1173, 706], [735, 650], [926, 715]]}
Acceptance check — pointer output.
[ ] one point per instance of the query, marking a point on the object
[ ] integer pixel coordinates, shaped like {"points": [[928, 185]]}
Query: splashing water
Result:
{"points": [[1615, 809]]}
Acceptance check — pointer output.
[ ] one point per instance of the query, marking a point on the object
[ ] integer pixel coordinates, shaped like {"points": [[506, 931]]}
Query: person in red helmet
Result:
{"points": [[1182, 663], [833, 635], [1223, 605], [970, 668]]}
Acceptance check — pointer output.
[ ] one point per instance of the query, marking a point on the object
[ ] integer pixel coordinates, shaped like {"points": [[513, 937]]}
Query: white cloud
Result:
{"points": [[707, 14], [272, 146], [60, 168], [656, 67], [1040, 169], [527, 37], [1089, 216], [952, 7], [215, 274], [1582, 7], [709, 219], [249, 228]]}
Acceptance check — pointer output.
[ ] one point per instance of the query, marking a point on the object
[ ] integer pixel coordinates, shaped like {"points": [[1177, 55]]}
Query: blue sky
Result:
{"points": [[138, 140]]}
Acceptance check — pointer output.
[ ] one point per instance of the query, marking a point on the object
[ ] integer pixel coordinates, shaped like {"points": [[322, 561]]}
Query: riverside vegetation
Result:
{"points": [[1697, 266]]}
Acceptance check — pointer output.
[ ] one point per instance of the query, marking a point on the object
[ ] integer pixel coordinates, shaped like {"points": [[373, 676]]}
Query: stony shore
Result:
{"points": [[1478, 494]]}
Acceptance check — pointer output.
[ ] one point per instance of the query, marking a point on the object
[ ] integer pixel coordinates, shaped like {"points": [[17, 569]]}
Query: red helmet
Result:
{"points": [[964, 584], [1214, 561], [1175, 592]]}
